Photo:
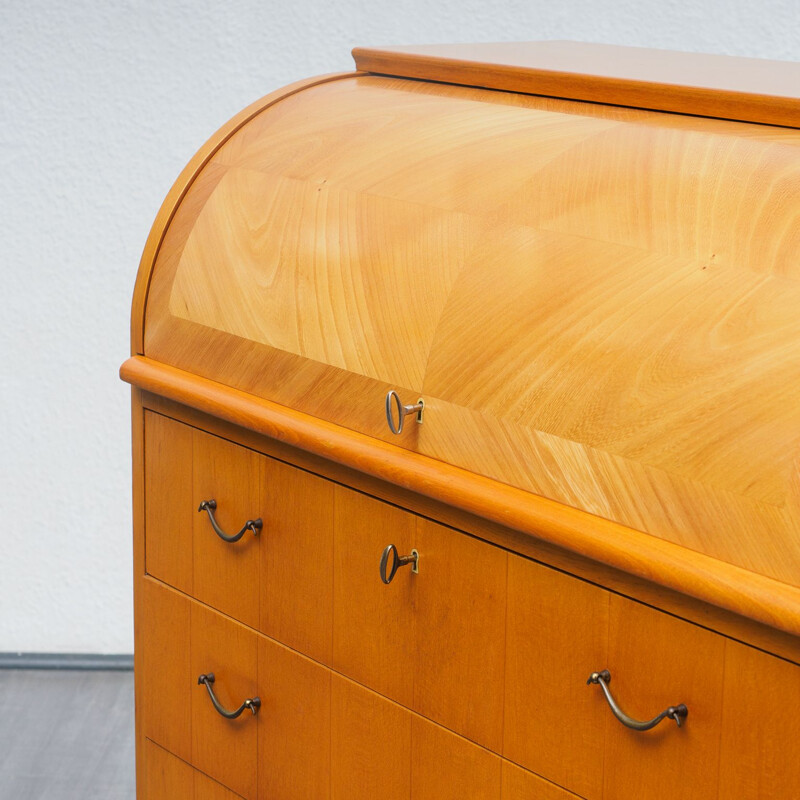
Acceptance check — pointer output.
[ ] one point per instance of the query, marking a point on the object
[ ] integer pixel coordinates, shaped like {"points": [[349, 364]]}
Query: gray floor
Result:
{"points": [[66, 735]]}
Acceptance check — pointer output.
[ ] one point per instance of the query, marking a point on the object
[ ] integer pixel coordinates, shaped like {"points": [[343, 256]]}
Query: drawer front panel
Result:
{"points": [[167, 679], [657, 661], [433, 640], [374, 626], [518, 784], [280, 580], [297, 560], [184, 468], [294, 724], [168, 778], [183, 640], [227, 574], [168, 501], [761, 726], [381, 750], [557, 636], [224, 748], [370, 745]]}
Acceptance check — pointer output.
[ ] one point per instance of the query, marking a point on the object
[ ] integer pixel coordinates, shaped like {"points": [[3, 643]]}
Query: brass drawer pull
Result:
{"points": [[393, 399], [678, 713], [397, 562], [253, 704], [251, 524]]}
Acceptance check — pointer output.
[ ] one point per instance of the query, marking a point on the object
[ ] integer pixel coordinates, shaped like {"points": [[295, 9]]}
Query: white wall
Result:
{"points": [[101, 105]]}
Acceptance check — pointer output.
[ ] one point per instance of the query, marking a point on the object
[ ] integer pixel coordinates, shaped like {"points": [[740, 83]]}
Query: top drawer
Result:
{"points": [[277, 577]]}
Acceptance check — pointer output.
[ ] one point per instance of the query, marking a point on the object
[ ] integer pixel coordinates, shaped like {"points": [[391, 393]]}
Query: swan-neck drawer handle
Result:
{"points": [[393, 402], [397, 562], [253, 704], [678, 713], [251, 525]]}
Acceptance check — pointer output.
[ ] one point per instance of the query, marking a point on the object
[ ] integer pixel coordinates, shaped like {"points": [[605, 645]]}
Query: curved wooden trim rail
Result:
{"points": [[727, 87], [182, 185], [729, 587]]}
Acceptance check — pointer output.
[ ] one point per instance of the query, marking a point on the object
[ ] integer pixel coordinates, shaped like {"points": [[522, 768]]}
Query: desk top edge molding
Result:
{"points": [[726, 87]]}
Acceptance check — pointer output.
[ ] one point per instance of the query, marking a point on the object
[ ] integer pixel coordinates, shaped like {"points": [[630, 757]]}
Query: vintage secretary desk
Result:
{"points": [[466, 425]]}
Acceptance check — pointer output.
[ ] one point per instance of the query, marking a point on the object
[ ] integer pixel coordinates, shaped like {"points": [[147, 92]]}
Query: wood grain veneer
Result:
{"points": [[234, 478], [609, 296], [178, 192], [294, 732], [748, 89]]}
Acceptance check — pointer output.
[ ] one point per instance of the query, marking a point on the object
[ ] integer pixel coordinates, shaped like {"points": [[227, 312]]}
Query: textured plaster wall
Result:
{"points": [[101, 105]]}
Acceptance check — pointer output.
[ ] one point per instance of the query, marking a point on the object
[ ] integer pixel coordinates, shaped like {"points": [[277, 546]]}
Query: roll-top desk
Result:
{"points": [[466, 427]]}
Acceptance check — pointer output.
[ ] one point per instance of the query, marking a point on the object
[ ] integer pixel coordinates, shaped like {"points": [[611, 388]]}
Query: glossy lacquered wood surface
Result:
{"points": [[748, 89], [178, 191], [729, 587], [603, 299]]}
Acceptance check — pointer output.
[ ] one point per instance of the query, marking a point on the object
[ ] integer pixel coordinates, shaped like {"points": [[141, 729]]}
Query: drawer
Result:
{"points": [[657, 661], [760, 758], [560, 631], [316, 735], [283, 751], [166, 777], [278, 580], [381, 750], [433, 641], [557, 632], [184, 640], [186, 467]]}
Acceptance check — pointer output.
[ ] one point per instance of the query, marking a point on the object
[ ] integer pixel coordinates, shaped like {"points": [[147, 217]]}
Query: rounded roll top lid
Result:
{"points": [[599, 305]]}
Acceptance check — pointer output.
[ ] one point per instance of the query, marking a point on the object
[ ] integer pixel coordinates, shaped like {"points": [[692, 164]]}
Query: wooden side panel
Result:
{"points": [[374, 629], [446, 767], [370, 745], [166, 679], [138, 492], [168, 504], [760, 757], [297, 560], [226, 575], [519, 784], [460, 606], [557, 636], [166, 777], [222, 748], [657, 661], [294, 725]]}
